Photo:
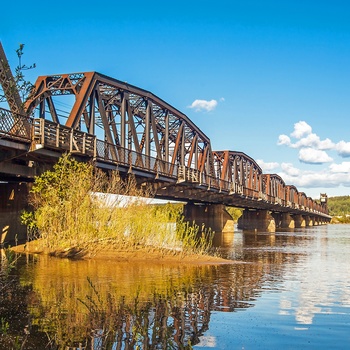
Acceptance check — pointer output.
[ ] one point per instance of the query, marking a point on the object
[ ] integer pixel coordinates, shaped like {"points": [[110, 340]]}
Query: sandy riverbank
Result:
{"points": [[149, 255]]}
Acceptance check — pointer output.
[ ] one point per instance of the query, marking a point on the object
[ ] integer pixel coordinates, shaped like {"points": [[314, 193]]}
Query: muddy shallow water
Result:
{"points": [[287, 290]]}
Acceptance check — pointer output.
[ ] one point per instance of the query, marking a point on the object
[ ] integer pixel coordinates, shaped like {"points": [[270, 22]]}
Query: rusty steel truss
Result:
{"points": [[120, 126], [126, 118], [8, 84]]}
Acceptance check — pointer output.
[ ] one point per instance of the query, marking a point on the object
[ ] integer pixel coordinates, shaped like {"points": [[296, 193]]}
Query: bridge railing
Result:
{"points": [[15, 126], [108, 152], [194, 176], [56, 136], [199, 178]]}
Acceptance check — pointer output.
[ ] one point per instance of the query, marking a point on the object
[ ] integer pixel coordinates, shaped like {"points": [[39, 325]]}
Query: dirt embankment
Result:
{"points": [[149, 255]]}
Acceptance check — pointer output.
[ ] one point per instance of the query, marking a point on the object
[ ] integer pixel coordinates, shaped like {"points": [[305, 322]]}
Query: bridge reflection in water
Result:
{"points": [[122, 305], [291, 288]]}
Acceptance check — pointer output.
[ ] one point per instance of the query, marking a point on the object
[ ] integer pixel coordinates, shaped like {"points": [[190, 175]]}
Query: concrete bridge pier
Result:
{"points": [[13, 199], [260, 220], [283, 220], [299, 221], [212, 216], [287, 221], [316, 221], [309, 221], [278, 219]]}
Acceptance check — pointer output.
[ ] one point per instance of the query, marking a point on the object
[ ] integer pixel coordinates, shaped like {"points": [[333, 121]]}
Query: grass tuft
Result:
{"points": [[78, 208]]}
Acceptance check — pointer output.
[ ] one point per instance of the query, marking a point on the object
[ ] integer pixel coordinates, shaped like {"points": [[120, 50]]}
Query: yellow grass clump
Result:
{"points": [[76, 207]]}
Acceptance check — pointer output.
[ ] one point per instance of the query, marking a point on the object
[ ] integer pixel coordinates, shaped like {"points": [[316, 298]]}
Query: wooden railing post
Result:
{"points": [[71, 140], [95, 147], [42, 131], [58, 135]]}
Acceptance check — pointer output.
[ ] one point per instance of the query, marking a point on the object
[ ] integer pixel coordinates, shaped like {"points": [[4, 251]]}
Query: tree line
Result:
{"points": [[339, 207]]}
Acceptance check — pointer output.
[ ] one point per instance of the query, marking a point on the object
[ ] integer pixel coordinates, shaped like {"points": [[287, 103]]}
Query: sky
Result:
{"points": [[267, 78]]}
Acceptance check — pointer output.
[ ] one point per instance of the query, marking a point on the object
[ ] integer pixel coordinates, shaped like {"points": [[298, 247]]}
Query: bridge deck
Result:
{"points": [[40, 140]]}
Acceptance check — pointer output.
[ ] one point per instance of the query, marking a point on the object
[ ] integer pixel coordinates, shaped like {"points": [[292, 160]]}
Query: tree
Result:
{"points": [[24, 86]]}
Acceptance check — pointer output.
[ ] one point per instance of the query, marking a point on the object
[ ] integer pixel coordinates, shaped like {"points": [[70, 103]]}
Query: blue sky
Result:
{"points": [[267, 78]]}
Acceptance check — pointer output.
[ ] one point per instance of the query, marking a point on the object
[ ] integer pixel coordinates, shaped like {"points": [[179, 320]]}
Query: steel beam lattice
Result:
{"points": [[126, 117], [121, 126]]}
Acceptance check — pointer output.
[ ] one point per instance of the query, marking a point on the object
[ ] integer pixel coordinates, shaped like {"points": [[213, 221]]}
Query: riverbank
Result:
{"points": [[140, 254]]}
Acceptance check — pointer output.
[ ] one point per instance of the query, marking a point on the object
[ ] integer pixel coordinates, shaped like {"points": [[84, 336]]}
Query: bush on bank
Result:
{"points": [[345, 219], [73, 207]]}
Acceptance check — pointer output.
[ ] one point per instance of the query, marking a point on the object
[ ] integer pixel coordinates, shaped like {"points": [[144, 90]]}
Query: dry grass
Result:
{"points": [[77, 208]]}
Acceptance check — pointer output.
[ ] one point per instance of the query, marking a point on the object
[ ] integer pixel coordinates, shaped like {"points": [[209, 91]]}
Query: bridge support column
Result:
{"points": [[283, 220], [316, 221], [299, 221], [287, 221], [13, 199], [212, 216], [309, 220], [260, 220], [325, 221], [278, 219]]}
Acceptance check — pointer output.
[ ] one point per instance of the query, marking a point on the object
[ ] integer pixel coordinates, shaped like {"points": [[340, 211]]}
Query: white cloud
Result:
{"points": [[267, 167], [317, 179], [335, 176], [288, 169], [343, 167], [284, 140], [312, 150], [313, 156], [300, 129], [200, 105], [306, 138], [326, 144], [311, 147], [343, 149], [312, 140]]}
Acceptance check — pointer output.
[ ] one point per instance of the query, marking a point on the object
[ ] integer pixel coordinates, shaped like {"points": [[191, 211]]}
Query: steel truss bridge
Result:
{"points": [[120, 126]]}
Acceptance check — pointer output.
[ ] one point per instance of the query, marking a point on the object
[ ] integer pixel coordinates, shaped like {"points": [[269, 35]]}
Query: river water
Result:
{"points": [[287, 290]]}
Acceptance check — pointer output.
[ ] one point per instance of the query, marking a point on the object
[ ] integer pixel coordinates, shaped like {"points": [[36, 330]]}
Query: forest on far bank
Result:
{"points": [[339, 207]]}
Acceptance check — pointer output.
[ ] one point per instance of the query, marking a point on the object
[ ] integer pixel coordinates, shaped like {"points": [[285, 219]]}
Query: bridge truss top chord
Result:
{"points": [[121, 126], [129, 118]]}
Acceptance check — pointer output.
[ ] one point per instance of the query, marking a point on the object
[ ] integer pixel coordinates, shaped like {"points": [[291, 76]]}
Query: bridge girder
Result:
{"points": [[125, 116], [238, 169], [122, 126]]}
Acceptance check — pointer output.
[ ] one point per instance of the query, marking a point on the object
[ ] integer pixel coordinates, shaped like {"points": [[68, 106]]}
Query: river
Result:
{"points": [[287, 290]]}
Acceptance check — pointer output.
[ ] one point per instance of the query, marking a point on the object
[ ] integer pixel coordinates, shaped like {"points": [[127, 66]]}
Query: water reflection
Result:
{"points": [[61, 304], [321, 284], [129, 304], [122, 305], [15, 316]]}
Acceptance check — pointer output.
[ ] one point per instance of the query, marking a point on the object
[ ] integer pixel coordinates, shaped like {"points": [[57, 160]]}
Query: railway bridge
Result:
{"points": [[118, 126]]}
